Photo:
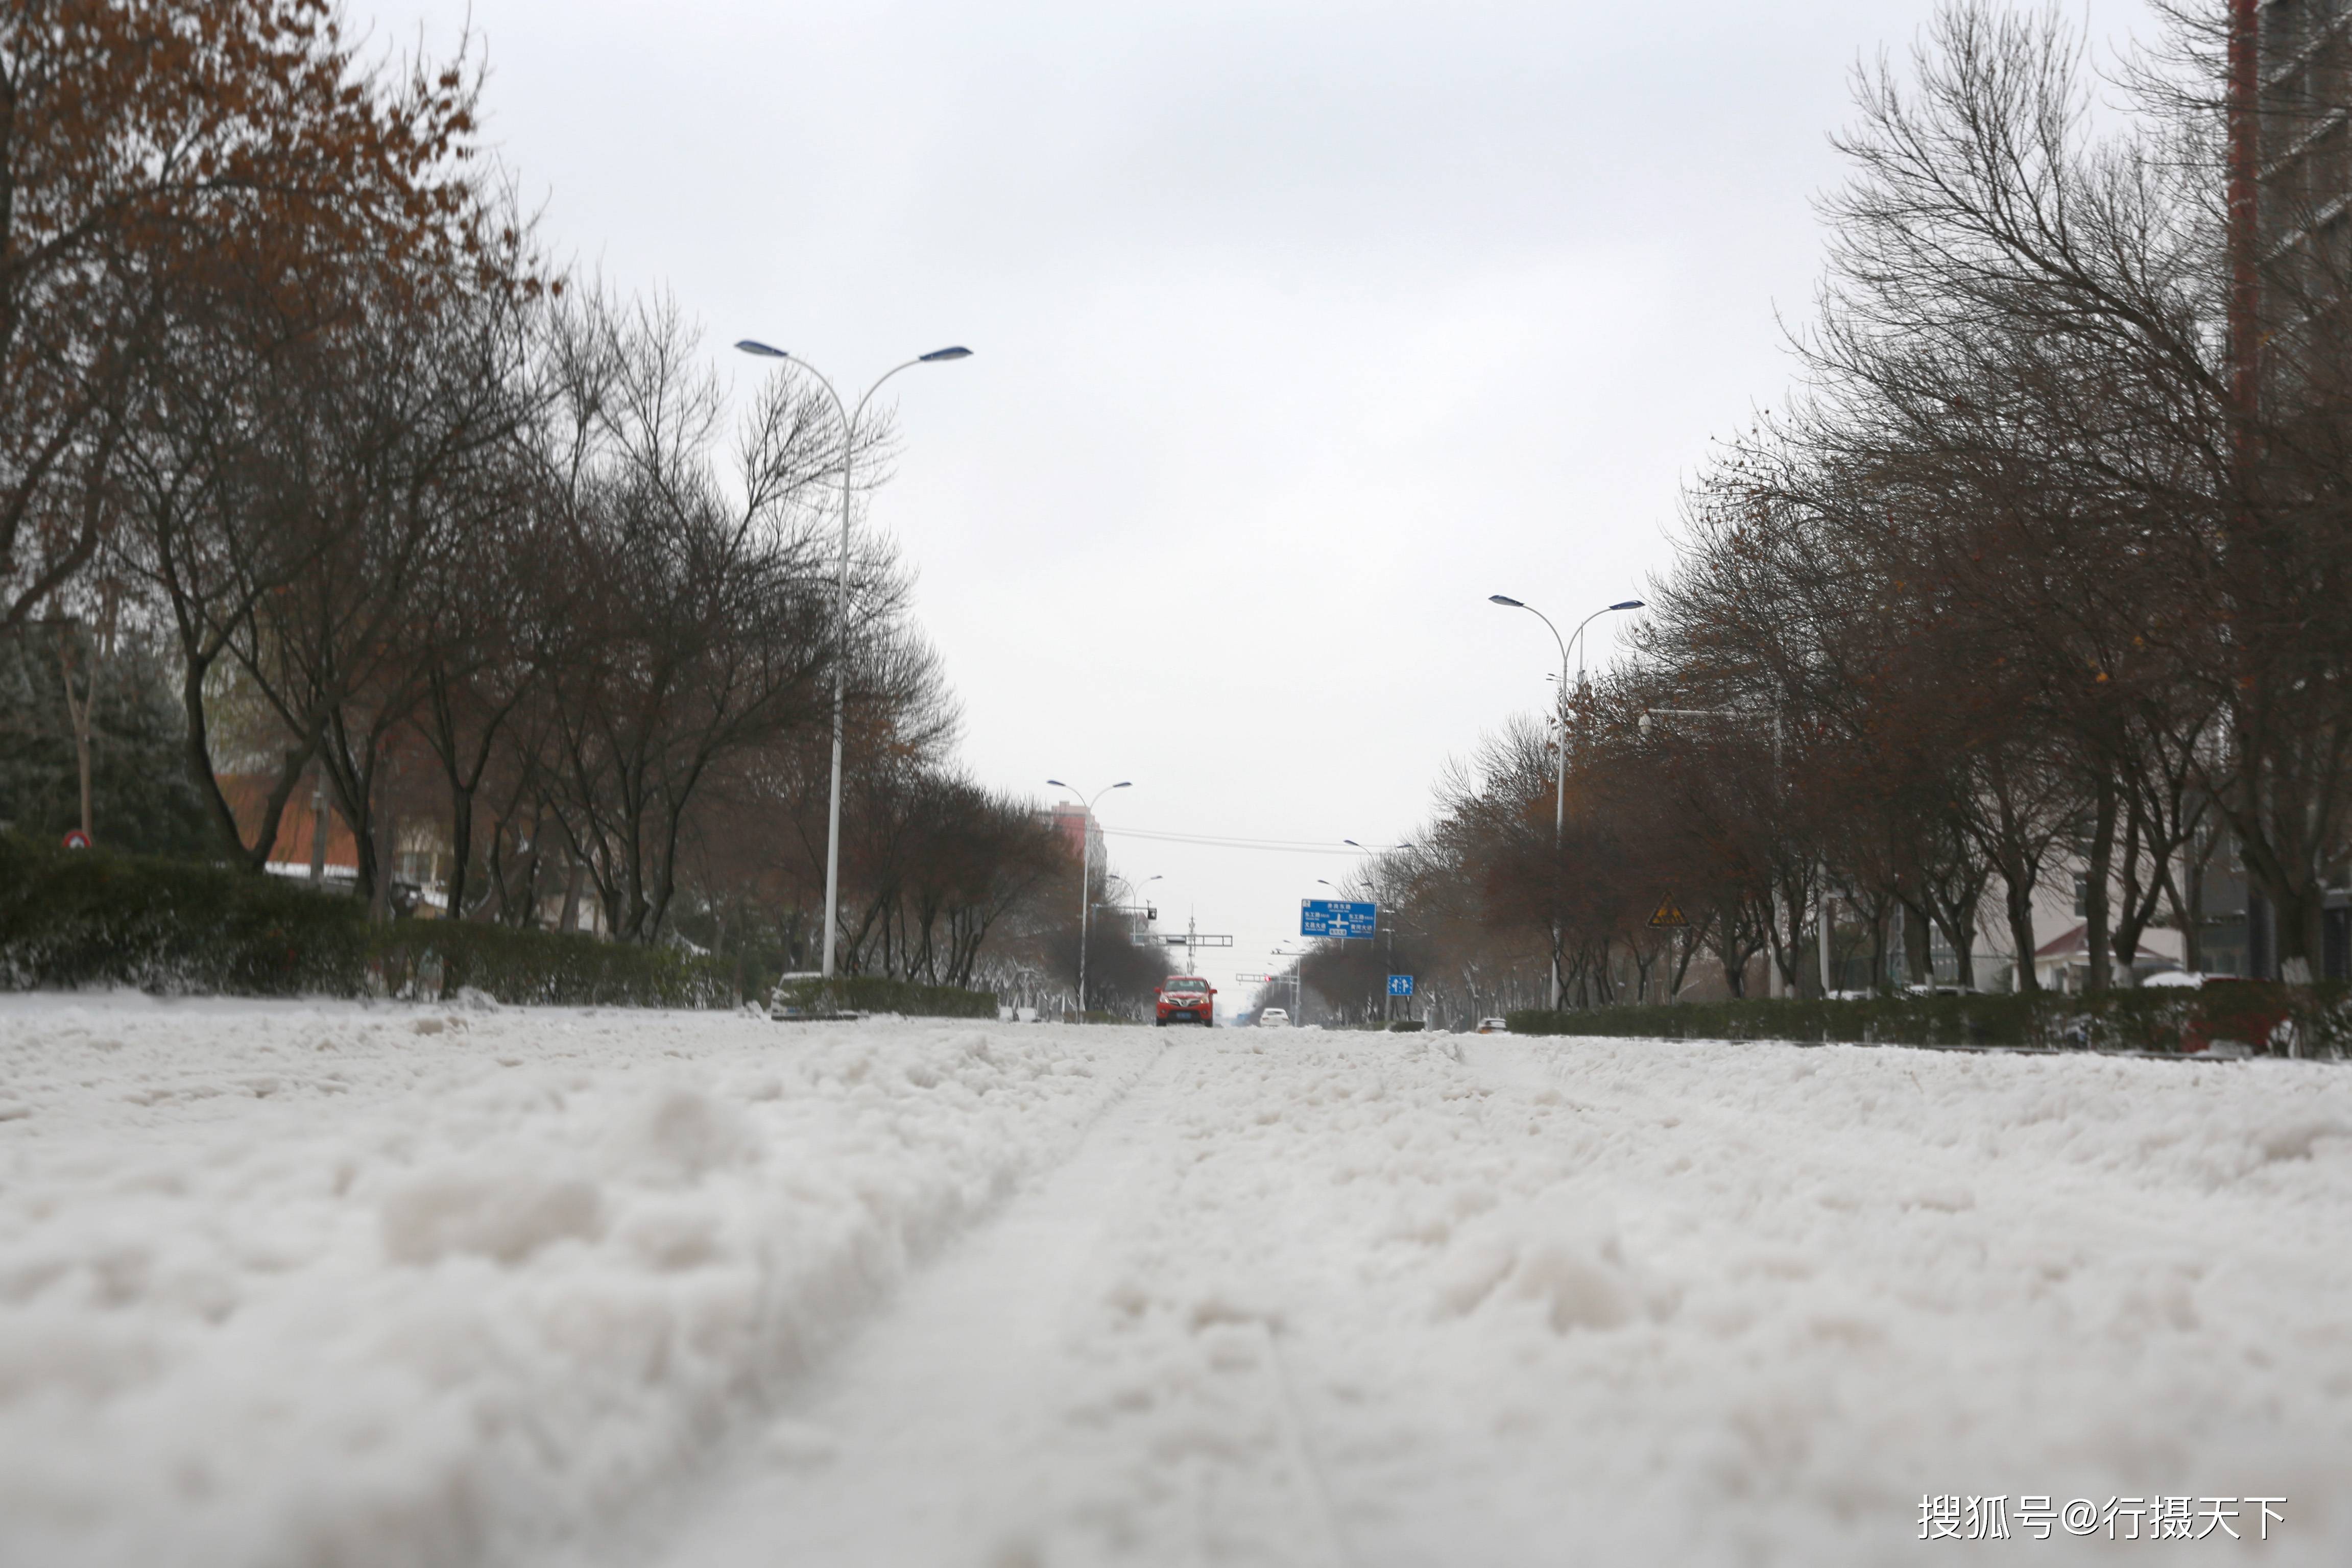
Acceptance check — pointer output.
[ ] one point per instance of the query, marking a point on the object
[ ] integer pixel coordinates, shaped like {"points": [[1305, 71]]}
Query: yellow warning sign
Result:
{"points": [[1669, 913]]}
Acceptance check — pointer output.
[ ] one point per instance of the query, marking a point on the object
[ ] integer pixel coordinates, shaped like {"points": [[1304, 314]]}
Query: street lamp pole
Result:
{"points": [[1559, 791], [850, 420], [1086, 876]]}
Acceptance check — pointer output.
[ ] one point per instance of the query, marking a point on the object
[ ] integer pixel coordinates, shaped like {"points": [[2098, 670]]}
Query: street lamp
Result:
{"points": [[1560, 795], [1086, 876], [841, 608]]}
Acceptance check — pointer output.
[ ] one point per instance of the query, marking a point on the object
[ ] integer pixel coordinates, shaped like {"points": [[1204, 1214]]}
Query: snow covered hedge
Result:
{"points": [[90, 918], [2248, 1012]]}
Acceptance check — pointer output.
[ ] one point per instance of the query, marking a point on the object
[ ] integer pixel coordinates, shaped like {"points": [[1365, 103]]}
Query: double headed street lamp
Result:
{"points": [[849, 419], [1559, 794], [1086, 874]]}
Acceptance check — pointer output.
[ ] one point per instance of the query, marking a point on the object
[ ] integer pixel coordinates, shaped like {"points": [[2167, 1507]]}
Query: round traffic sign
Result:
{"points": [[77, 839]]}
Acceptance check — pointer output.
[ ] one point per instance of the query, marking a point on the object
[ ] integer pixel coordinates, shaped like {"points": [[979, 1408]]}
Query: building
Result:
{"points": [[1081, 833], [313, 835], [299, 843], [2301, 151]]}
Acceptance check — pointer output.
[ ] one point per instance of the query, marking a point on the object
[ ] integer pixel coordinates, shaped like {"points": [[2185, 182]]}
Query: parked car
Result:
{"points": [[1187, 999], [1273, 1017], [1493, 1025]]}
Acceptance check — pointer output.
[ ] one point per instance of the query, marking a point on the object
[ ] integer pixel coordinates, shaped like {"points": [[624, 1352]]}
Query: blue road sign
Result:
{"points": [[1400, 985], [1337, 917]]}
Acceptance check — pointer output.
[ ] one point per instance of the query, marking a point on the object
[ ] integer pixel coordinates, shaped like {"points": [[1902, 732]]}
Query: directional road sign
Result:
{"points": [[1337, 917], [1400, 985], [1254, 980]]}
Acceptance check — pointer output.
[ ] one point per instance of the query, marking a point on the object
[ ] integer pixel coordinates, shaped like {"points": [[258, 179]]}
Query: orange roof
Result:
{"points": [[249, 793]]}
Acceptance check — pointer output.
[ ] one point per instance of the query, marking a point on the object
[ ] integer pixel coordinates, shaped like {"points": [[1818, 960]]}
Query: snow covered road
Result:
{"points": [[660, 1290]]}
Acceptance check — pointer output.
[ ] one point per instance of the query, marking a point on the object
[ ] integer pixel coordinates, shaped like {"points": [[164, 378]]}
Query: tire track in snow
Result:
{"points": [[1329, 1538], [907, 1446], [1101, 1375]]}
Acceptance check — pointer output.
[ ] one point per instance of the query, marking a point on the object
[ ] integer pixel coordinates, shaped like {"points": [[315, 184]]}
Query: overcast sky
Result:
{"points": [[1299, 327]]}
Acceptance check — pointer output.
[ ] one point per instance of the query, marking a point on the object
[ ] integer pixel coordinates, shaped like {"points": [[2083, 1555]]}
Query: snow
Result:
{"points": [[307, 1283], [321, 1283]]}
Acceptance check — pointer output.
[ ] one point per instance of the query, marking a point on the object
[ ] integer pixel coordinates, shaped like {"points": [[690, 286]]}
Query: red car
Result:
{"points": [[1187, 999]]}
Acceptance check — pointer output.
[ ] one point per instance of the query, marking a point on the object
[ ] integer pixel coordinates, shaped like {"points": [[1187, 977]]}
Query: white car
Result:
{"points": [[1273, 1017], [1493, 1025]]}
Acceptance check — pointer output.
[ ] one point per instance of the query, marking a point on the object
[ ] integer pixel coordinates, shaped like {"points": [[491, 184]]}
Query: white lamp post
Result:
{"points": [[1086, 876], [1559, 794], [840, 617]]}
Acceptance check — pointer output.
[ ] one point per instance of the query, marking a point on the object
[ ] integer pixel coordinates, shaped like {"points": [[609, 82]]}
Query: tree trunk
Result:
{"points": [[387, 851], [1917, 962], [2140, 898], [1961, 928], [2018, 896], [2295, 920], [2189, 902], [2095, 893], [461, 847], [1735, 964]]}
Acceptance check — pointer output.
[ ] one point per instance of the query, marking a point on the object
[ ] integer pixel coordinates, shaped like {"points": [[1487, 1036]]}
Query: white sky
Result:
{"points": [[1299, 327]]}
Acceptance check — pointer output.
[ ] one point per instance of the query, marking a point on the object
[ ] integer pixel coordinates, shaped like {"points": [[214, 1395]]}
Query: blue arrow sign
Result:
{"points": [[1400, 985], [1337, 917]]}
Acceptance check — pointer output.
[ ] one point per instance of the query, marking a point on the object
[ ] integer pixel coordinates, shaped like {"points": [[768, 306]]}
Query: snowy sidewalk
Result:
{"points": [[289, 1284]]}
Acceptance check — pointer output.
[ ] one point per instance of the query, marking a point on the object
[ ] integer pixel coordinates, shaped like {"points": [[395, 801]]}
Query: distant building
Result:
{"points": [[421, 858], [2304, 150], [1080, 832], [297, 827]]}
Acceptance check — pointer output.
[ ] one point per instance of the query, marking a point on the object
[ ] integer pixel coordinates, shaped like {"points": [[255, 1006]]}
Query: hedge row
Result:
{"points": [[90, 917], [880, 993], [439, 958], [2154, 1019]]}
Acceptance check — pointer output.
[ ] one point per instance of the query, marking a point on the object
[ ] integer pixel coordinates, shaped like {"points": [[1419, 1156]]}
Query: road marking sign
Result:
{"points": [[1669, 913], [1400, 985]]}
